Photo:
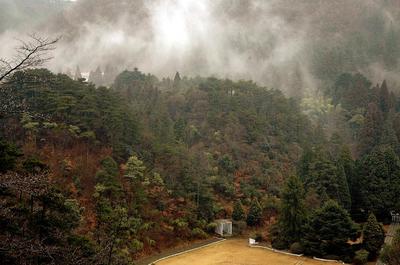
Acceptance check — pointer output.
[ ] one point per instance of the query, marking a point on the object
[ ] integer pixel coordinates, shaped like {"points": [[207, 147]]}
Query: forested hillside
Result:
{"points": [[146, 162], [128, 128], [197, 143]]}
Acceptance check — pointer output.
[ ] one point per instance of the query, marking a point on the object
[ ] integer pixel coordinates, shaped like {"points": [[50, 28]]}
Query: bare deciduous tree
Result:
{"points": [[32, 53]]}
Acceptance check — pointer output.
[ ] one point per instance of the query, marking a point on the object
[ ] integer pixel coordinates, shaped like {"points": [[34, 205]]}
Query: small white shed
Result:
{"points": [[224, 227], [395, 217]]}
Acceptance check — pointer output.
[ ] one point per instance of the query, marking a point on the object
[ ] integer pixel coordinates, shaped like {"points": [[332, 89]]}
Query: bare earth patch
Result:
{"points": [[237, 252]]}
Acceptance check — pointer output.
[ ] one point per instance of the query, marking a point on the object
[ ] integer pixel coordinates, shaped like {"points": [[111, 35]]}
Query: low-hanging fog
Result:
{"points": [[287, 44]]}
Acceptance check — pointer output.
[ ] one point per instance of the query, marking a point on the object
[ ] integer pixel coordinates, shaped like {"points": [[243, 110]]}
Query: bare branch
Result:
{"points": [[29, 54]]}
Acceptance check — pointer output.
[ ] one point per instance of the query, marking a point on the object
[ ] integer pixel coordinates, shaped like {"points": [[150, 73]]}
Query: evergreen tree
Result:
{"points": [[303, 169], [8, 156], [78, 73], [135, 169], [373, 235], [177, 80], [343, 188], [384, 99], [38, 224], [238, 213], [328, 231], [378, 177], [388, 135], [96, 77], [323, 176], [347, 162], [109, 75], [254, 217], [370, 132], [293, 212]]}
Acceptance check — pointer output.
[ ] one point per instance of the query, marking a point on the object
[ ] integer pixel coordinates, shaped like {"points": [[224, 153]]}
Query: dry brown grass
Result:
{"points": [[237, 252]]}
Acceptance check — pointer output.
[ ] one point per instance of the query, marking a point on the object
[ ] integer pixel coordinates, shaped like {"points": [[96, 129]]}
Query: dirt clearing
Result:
{"points": [[237, 252]]}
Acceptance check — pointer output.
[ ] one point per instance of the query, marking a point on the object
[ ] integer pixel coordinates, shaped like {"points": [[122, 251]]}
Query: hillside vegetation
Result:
{"points": [[120, 172]]}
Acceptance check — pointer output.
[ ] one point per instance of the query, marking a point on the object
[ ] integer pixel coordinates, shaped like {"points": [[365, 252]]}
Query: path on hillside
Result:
{"points": [[389, 237]]}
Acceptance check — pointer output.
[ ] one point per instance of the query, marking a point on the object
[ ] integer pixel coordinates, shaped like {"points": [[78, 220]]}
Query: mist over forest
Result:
{"points": [[281, 44], [133, 129]]}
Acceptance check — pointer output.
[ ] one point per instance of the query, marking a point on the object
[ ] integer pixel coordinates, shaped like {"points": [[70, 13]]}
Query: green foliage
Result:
{"points": [[373, 235], [210, 228], [239, 227], [321, 172], [238, 213], [43, 212], [59, 100], [227, 163], [391, 253], [371, 131], [293, 213], [135, 169], [378, 175], [351, 91], [198, 233], [328, 231], [296, 248], [34, 165], [258, 237], [361, 257], [110, 166], [344, 197], [254, 217], [8, 156]]}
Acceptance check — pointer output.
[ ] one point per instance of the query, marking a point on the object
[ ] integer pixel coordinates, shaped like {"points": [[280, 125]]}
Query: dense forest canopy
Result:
{"points": [[284, 122]]}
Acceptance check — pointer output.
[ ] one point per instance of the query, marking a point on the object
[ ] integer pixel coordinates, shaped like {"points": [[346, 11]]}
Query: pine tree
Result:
{"points": [[293, 212], [328, 231], [378, 175], [177, 80], [96, 77], [384, 100], [238, 213], [306, 159], [254, 217], [8, 156], [343, 188], [78, 73], [323, 176], [346, 160], [177, 77], [370, 132], [135, 169], [373, 235], [109, 75], [388, 135]]}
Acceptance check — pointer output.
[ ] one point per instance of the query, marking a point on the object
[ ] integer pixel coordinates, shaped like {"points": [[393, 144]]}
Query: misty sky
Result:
{"points": [[272, 42]]}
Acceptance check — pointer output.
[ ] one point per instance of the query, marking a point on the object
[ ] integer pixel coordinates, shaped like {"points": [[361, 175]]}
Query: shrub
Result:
{"points": [[238, 212], [238, 227], [254, 217], [373, 235], [279, 244], [136, 245], [198, 233], [34, 165], [296, 248], [361, 257], [258, 237], [331, 257], [210, 228]]}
